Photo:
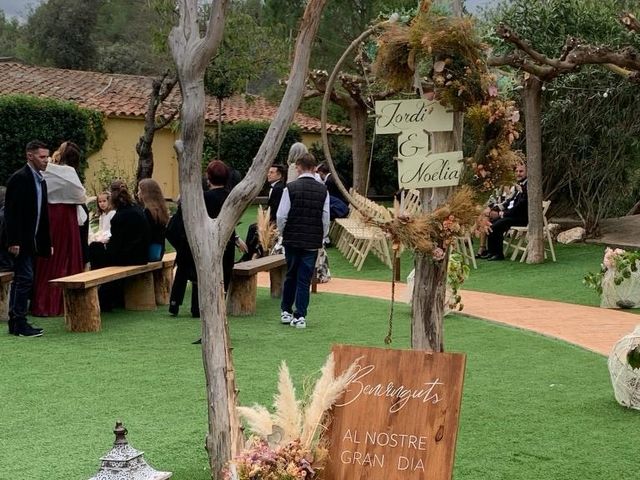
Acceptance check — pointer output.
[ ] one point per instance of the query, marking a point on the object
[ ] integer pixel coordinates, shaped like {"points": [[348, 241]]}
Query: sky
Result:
{"points": [[17, 8]]}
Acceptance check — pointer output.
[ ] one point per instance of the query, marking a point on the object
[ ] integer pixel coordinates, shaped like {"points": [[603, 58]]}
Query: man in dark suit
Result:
{"points": [[276, 180], [27, 233], [514, 212]]}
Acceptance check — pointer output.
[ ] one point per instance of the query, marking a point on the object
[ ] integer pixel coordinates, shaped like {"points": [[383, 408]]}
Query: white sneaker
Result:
{"points": [[299, 322], [286, 318]]}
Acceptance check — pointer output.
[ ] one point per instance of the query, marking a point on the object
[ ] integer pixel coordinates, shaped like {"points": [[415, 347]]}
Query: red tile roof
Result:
{"points": [[127, 95]]}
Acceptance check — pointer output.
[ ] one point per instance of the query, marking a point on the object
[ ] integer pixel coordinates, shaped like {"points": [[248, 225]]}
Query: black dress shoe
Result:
{"points": [[197, 342], [483, 255], [495, 258], [37, 329], [25, 331], [173, 309]]}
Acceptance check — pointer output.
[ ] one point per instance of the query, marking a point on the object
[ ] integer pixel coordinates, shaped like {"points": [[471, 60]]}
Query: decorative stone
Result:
{"points": [[625, 375], [572, 235], [123, 462], [554, 230]]}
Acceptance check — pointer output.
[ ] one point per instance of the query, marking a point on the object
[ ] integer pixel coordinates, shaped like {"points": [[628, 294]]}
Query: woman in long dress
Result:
{"points": [[66, 195]]}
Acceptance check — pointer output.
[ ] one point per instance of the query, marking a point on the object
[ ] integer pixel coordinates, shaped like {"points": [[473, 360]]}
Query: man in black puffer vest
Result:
{"points": [[303, 220]]}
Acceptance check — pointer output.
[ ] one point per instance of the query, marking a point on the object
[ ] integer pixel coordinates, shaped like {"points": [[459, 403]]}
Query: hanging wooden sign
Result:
{"points": [[395, 116], [433, 170], [398, 418], [414, 121]]}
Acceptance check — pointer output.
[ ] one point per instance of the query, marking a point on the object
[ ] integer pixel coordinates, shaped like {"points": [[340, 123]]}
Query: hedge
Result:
{"points": [[24, 118], [240, 142], [383, 179]]}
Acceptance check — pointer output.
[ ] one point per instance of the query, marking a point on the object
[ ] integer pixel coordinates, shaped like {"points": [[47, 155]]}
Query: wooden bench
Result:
{"points": [[241, 298], [5, 284], [146, 286]]}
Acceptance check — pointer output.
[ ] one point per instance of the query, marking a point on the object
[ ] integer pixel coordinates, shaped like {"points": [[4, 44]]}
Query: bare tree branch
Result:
{"points": [[629, 20]]}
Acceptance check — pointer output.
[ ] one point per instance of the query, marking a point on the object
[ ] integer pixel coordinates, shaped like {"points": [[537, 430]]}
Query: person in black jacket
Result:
{"points": [[303, 220], [214, 197], [128, 244], [157, 213], [276, 180], [27, 233], [514, 214]]}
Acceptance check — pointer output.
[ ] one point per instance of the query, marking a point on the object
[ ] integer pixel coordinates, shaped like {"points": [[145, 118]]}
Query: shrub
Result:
{"points": [[26, 118], [383, 178], [239, 143]]}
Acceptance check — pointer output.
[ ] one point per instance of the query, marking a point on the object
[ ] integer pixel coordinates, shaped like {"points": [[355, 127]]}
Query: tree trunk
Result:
{"points": [[359, 151], [219, 133], [207, 237], [160, 90], [429, 288], [533, 115]]}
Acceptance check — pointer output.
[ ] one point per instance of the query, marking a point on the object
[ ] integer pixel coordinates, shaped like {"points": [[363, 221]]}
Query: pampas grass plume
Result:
{"points": [[258, 418], [287, 413], [325, 393]]}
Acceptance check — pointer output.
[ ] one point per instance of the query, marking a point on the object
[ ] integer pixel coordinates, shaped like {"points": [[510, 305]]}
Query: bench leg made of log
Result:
{"points": [[139, 292], [241, 298], [4, 301], [276, 276], [82, 310], [162, 280]]}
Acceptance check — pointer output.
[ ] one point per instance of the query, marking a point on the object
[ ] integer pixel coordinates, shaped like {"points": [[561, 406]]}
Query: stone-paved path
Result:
{"points": [[593, 328]]}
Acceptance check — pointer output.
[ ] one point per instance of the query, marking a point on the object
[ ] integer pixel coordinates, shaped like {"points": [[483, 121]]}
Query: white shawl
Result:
{"points": [[64, 186]]}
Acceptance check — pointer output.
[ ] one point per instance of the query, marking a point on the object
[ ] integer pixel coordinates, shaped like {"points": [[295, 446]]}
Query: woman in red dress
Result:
{"points": [[66, 195]]}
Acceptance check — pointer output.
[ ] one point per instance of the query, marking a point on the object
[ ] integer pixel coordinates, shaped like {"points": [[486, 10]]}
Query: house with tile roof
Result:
{"points": [[123, 100]]}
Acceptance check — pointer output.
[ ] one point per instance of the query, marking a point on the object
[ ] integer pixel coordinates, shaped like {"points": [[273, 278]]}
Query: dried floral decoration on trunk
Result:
{"points": [[267, 231]]}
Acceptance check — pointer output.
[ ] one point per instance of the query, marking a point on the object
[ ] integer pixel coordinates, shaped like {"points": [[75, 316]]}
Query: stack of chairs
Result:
{"points": [[356, 238]]}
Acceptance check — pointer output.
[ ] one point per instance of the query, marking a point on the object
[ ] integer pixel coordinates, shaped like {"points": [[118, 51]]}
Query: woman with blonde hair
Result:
{"points": [[296, 151], [157, 213]]}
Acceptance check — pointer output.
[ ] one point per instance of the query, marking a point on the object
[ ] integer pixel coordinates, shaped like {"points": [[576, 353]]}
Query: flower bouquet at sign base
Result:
{"points": [[287, 444], [618, 281]]}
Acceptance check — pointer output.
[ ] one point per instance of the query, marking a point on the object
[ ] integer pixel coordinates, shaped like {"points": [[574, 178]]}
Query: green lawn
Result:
{"points": [[561, 280], [533, 408]]}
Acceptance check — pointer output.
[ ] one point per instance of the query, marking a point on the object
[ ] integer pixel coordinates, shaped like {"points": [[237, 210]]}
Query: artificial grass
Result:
{"points": [[560, 281], [533, 407]]}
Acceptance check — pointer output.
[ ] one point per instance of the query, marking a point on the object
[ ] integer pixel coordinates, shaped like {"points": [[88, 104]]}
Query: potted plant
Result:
{"points": [[618, 281]]}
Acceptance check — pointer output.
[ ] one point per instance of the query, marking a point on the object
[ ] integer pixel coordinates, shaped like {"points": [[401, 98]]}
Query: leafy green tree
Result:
{"points": [[59, 33], [10, 33], [582, 111], [124, 36], [248, 52]]}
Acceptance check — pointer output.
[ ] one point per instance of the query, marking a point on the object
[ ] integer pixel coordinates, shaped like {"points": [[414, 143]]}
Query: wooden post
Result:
{"points": [[241, 299], [4, 301], [162, 280], [139, 292], [276, 276], [82, 310]]}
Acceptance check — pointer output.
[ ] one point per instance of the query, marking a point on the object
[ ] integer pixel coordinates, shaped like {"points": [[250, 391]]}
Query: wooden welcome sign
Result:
{"points": [[398, 418]]}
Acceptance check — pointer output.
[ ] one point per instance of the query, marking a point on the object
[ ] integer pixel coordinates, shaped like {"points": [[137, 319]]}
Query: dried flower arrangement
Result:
{"points": [[287, 444], [456, 62], [432, 233], [267, 231]]}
